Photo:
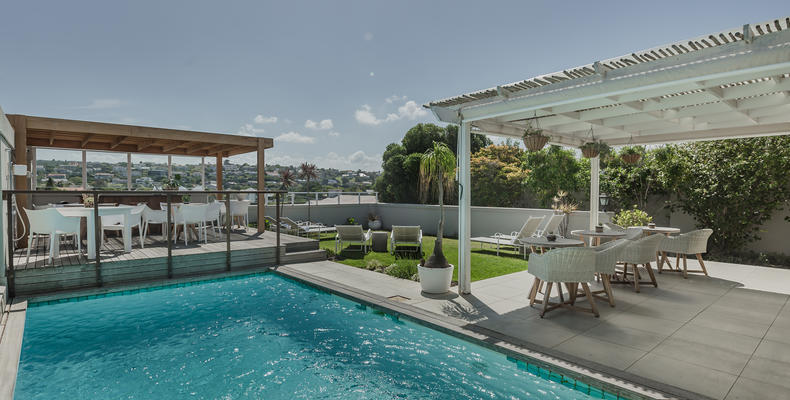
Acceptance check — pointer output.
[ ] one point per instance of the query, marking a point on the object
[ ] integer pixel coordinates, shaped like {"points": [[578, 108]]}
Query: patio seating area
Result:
{"points": [[723, 336]]}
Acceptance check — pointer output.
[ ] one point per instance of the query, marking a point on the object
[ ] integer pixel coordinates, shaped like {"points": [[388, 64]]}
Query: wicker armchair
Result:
{"points": [[606, 257], [571, 266], [640, 252], [694, 242]]}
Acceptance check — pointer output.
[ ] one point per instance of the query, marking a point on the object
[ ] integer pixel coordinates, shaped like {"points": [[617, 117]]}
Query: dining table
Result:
{"points": [[596, 236], [88, 214], [543, 242]]}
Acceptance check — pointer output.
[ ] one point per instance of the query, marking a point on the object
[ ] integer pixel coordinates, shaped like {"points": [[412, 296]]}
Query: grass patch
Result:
{"points": [[485, 263]]}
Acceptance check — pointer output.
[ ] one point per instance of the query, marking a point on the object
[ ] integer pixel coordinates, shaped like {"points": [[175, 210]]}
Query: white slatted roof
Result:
{"points": [[734, 83]]}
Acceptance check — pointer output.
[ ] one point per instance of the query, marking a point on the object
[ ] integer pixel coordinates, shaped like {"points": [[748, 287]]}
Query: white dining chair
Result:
{"points": [[115, 223], [212, 219], [49, 222], [156, 217], [191, 214], [240, 209]]}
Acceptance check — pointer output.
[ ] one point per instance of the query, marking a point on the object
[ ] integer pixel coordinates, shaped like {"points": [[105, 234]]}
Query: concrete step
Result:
{"points": [[303, 256], [304, 245]]}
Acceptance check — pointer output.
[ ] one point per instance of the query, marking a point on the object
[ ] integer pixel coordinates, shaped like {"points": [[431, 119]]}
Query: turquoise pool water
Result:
{"points": [[261, 337]]}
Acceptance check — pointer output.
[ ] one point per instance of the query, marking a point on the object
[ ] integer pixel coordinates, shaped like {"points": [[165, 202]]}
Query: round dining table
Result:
{"points": [[596, 236], [543, 243]]}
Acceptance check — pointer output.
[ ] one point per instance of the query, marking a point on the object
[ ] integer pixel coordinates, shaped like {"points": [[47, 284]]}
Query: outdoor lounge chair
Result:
{"points": [[552, 226], [572, 266], [514, 239], [352, 234], [405, 236], [694, 242]]}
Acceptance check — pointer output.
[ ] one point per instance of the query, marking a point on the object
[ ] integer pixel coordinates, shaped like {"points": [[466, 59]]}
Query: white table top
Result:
{"points": [[659, 229], [84, 211], [613, 234]]}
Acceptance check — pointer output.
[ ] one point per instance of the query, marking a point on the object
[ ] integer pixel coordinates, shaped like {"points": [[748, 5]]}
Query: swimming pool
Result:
{"points": [[262, 336]]}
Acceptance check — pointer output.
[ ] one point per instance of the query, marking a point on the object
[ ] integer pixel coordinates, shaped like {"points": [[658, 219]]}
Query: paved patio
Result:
{"points": [[726, 336]]}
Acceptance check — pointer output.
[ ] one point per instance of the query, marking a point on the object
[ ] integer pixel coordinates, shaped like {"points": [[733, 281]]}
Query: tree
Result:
{"points": [[307, 172], [731, 186], [498, 179], [554, 169], [287, 179], [400, 162], [631, 184], [437, 173]]}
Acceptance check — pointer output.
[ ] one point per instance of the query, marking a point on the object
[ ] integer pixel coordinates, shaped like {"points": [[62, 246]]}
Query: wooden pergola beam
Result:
{"points": [[172, 147], [85, 140], [117, 142]]}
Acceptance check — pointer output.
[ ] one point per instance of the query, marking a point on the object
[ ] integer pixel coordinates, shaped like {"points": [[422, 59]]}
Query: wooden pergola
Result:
{"points": [[31, 132]]}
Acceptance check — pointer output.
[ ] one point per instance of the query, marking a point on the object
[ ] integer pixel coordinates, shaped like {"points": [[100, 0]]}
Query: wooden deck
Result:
{"points": [[72, 270]]}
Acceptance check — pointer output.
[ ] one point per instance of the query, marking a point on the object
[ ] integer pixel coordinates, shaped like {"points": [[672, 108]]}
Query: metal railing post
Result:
{"points": [[170, 230], [9, 272], [277, 249], [359, 198], [97, 235], [229, 219]]}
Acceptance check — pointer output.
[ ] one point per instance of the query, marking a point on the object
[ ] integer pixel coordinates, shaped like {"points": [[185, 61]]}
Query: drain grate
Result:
{"points": [[398, 298]]}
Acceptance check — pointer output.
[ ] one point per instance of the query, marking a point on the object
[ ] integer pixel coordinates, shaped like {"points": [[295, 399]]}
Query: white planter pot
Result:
{"points": [[375, 225], [435, 280]]}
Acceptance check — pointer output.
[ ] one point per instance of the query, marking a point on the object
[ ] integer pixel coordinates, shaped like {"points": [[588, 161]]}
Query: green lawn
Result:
{"points": [[485, 262]]}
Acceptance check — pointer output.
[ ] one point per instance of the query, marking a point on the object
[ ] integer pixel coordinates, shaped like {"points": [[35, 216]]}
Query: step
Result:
{"points": [[303, 245], [303, 256]]}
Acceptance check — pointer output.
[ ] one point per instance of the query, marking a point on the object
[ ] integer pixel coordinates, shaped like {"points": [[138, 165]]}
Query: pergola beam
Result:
{"points": [[117, 142], [85, 140]]}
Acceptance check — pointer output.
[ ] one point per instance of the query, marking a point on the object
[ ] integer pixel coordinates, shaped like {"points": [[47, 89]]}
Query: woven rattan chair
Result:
{"points": [[572, 266], [606, 257], [694, 242], [640, 252]]}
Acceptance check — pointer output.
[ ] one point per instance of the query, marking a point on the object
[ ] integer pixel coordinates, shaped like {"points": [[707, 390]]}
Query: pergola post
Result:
{"points": [[84, 170], [33, 168], [128, 171], [169, 167], [203, 172], [19, 123], [464, 210], [261, 185], [219, 175], [594, 190]]}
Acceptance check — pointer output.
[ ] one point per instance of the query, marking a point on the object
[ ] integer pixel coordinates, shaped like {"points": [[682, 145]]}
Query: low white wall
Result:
{"points": [[485, 220]]}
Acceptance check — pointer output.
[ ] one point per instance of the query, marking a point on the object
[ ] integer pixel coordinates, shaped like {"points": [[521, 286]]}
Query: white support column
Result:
{"points": [[594, 191], [84, 170], [169, 167], [203, 172], [33, 167], [128, 171], [464, 210]]}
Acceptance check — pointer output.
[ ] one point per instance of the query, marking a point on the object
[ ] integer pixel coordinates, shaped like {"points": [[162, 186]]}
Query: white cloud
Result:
{"points": [[250, 130], [394, 98], [367, 36], [334, 134], [372, 74], [99, 104], [409, 110], [295, 137], [260, 119], [324, 124]]}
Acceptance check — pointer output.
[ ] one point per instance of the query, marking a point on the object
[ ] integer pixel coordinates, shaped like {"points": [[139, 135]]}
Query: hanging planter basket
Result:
{"points": [[631, 158], [535, 142], [590, 149]]}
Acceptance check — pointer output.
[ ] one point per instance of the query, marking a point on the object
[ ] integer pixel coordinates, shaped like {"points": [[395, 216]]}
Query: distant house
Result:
{"points": [[57, 178], [157, 173]]}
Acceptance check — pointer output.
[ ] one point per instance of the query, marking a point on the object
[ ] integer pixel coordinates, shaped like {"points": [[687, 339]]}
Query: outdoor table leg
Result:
{"points": [[127, 233]]}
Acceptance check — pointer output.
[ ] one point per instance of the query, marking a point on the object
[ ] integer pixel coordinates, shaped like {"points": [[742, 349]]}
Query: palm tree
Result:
{"points": [[287, 179], [437, 174], [307, 172]]}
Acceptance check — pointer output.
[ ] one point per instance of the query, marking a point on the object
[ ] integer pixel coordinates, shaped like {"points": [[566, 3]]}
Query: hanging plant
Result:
{"points": [[533, 137], [630, 155], [591, 149]]}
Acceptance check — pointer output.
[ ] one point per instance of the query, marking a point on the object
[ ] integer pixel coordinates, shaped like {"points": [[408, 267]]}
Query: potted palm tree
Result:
{"points": [[437, 175], [307, 172]]}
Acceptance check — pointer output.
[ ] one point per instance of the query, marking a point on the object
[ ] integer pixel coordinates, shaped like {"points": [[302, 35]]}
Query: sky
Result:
{"points": [[333, 82]]}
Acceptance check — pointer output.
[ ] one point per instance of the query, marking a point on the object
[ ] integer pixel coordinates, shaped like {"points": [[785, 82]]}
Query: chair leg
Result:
{"points": [[589, 296], [636, 278], [29, 243], [702, 264], [685, 268], [533, 291], [649, 269], [546, 298], [607, 287], [661, 263], [142, 241]]}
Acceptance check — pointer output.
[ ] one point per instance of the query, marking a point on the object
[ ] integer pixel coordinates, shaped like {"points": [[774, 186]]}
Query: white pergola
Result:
{"points": [[731, 84]]}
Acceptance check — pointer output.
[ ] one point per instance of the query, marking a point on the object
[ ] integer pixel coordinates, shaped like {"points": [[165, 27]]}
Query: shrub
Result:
{"points": [[632, 217], [351, 221], [403, 271], [373, 265]]}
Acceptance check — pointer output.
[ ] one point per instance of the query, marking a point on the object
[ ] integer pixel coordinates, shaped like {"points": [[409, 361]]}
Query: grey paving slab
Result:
{"points": [[768, 371], [749, 389], [706, 381], [602, 352], [625, 336]]}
